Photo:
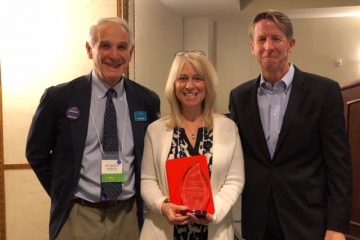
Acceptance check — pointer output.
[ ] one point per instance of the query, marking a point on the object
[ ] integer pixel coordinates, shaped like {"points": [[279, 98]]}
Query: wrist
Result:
{"points": [[163, 205]]}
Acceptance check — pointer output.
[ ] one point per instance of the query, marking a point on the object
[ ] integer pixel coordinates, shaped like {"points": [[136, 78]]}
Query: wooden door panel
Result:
{"points": [[351, 95], [354, 137]]}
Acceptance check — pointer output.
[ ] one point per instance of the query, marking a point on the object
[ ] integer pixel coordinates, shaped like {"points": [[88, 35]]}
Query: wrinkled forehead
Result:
{"points": [[110, 28], [110, 31]]}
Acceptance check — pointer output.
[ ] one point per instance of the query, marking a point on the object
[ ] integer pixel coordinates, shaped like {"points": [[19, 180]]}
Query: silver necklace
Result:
{"points": [[193, 134]]}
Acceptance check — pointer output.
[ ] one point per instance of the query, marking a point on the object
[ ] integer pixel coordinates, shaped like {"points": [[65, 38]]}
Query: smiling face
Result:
{"points": [[271, 48], [190, 89], [111, 52]]}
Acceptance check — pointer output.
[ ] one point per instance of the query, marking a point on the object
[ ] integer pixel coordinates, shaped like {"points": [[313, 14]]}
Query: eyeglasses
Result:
{"points": [[197, 52]]}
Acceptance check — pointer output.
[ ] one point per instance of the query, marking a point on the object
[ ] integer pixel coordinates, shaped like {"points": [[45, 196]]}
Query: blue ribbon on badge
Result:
{"points": [[140, 116], [73, 113]]}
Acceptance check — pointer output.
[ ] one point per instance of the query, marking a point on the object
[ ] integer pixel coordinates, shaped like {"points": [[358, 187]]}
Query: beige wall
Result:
{"points": [[199, 35], [42, 44], [158, 35], [321, 41]]}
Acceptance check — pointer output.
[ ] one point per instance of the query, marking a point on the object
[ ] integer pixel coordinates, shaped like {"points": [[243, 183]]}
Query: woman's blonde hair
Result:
{"points": [[206, 70]]}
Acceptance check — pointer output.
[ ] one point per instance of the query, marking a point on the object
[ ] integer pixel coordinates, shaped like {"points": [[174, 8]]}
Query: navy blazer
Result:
{"points": [[55, 144], [310, 173]]}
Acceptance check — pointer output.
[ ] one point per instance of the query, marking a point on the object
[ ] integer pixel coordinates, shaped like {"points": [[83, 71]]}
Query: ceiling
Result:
{"points": [[294, 8]]}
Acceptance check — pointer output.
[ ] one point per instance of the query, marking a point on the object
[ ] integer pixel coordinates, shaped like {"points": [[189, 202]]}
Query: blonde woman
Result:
{"points": [[191, 129]]}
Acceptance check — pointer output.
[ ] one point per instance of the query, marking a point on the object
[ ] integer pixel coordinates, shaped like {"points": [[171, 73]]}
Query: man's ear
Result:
{"points": [[252, 48], [89, 50], [292, 45], [132, 51]]}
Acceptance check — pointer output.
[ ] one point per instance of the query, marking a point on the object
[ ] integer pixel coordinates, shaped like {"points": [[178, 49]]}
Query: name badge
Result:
{"points": [[140, 116], [112, 171]]}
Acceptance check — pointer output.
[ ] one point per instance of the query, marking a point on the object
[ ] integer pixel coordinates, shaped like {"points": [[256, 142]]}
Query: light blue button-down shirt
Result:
{"points": [[89, 183], [272, 102]]}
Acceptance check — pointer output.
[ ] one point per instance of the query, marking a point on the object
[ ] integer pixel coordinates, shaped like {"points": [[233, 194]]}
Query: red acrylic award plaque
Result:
{"points": [[189, 184]]}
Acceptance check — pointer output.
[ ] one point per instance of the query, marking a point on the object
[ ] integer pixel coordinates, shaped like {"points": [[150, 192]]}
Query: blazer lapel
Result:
{"points": [[297, 94], [79, 99]]}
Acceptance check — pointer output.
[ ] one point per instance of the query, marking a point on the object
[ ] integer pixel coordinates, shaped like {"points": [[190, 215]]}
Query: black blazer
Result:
{"points": [[55, 144], [310, 173]]}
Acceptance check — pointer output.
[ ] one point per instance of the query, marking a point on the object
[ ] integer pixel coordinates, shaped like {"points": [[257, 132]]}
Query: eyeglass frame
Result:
{"points": [[197, 80], [198, 52]]}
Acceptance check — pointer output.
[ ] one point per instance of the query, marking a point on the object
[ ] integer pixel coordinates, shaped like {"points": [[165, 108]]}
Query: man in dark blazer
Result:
{"points": [[297, 163], [65, 149]]}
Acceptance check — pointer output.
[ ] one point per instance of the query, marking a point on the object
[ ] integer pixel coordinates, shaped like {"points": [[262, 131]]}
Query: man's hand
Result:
{"points": [[332, 235]]}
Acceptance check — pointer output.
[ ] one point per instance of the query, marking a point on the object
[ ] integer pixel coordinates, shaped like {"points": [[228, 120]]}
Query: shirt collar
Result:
{"points": [[286, 79], [100, 87]]}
